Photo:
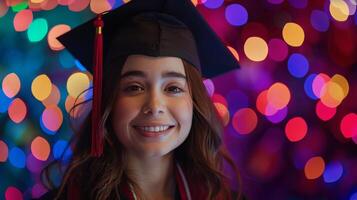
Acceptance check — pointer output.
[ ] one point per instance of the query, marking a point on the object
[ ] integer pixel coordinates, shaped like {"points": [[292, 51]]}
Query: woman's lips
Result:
{"points": [[153, 131]]}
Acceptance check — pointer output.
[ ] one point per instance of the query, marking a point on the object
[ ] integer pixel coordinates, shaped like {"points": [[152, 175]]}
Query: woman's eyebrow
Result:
{"points": [[141, 74]]}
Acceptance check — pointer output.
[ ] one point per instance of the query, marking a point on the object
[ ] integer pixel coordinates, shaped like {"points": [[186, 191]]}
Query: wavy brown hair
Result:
{"points": [[201, 155]]}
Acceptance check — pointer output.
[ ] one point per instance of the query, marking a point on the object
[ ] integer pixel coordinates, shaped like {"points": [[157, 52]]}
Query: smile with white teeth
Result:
{"points": [[153, 128]]}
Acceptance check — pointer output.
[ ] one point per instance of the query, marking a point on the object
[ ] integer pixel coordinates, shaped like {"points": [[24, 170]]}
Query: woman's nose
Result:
{"points": [[154, 103]]}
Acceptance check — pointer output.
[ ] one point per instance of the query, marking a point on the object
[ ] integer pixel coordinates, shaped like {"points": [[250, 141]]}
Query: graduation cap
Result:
{"points": [[148, 27]]}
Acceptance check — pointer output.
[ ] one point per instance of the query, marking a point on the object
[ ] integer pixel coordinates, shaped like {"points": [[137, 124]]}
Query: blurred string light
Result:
{"points": [[56, 31], [333, 172], [59, 148], [3, 8], [278, 50], [244, 121], [41, 87], [325, 113], [40, 148], [22, 20], [279, 116], [339, 10], [319, 20], [99, 6], [236, 14], [256, 49], [4, 151], [209, 86], [53, 98], [17, 157], [293, 34], [213, 4], [348, 125], [218, 98], [13, 193], [21, 5], [223, 113], [234, 52], [11, 85], [296, 129], [17, 110], [314, 167], [298, 65], [52, 118], [78, 6], [77, 83], [37, 30]]}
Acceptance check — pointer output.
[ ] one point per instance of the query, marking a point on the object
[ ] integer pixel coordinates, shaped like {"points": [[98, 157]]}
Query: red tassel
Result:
{"points": [[97, 131]]}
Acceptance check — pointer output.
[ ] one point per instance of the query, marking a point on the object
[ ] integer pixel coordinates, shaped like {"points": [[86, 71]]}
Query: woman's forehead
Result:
{"points": [[153, 65]]}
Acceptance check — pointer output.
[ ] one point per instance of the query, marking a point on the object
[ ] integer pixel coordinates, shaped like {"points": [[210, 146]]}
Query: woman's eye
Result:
{"points": [[133, 88], [174, 89]]}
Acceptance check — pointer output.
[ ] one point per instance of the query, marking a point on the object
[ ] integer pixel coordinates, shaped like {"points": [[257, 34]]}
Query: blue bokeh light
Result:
{"points": [[308, 86], [236, 15], [333, 172], [66, 59], [17, 157], [4, 102], [58, 149], [212, 4], [319, 20], [298, 65]]}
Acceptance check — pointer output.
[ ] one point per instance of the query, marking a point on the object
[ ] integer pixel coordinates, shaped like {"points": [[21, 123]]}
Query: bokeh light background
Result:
{"points": [[290, 112]]}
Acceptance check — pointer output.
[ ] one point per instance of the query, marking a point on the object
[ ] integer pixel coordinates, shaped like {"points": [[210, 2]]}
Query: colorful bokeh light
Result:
{"points": [[223, 113], [278, 95], [54, 33], [298, 65], [333, 172], [324, 112], [314, 167], [41, 87], [17, 110], [245, 121], [4, 151], [37, 30], [52, 118], [236, 14], [22, 20], [11, 85], [77, 83], [348, 125], [13, 193], [296, 129], [293, 34], [40, 148], [256, 49]]}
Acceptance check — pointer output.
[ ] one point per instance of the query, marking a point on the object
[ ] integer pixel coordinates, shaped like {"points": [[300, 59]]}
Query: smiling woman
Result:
{"points": [[155, 133]]}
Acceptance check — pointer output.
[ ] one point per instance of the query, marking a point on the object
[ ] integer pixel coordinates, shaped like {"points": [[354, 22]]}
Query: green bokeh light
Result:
{"points": [[20, 6], [38, 30]]}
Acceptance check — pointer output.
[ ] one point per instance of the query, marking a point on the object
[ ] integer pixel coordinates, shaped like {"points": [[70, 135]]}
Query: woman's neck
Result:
{"points": [[154, 175]]}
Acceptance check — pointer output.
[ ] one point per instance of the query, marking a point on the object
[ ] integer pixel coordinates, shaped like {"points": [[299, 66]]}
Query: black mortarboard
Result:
{"points": [[149, 27]]}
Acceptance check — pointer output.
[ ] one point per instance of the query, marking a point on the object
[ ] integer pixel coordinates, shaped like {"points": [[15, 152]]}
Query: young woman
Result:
{"points": [[155, 132]]}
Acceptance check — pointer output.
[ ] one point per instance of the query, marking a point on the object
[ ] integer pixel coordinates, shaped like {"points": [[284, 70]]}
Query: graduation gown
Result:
{"points": [[185, 190]]}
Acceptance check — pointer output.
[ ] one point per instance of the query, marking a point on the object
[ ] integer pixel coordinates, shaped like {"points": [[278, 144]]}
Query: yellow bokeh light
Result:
{"points": [[293, 34], [339, 10], [11, 85], [234, 52], [342, 82], [256, 49], [37, 1], [41, 87], [332, 94], [77, 83], [223, 113]]}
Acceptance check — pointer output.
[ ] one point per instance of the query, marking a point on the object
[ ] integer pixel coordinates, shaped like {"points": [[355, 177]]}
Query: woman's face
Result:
{"points": [[152, 114]]}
